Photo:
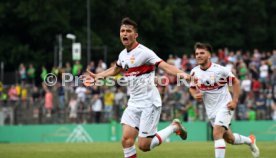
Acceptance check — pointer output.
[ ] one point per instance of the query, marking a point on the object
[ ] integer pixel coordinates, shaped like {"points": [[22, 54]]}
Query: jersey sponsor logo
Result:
{"points": [[140, 70]]}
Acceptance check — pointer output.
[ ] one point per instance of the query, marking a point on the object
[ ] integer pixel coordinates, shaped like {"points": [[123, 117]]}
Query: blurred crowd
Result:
{"points": [[28, 102]]}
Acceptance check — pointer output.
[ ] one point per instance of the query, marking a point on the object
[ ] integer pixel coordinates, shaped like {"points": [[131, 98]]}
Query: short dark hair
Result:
{"points": [[205, 46], [128, 21]]}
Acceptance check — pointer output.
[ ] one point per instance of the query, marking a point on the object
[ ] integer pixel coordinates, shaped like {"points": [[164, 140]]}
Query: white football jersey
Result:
{"points": [[139, 71], [212, 83]]}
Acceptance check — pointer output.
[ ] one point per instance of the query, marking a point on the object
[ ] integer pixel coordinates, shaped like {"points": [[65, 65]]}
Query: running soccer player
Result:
{"points": [[211, 87], [142, 114]]}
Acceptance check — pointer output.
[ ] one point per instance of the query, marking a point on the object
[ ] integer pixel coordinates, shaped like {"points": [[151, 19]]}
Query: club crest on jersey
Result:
{"points": [[132, 59]]}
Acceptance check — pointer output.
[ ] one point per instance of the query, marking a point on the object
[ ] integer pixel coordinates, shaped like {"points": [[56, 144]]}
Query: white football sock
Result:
{"points": [[162, 135], [220, 148], [130, 152], [240, 139]]}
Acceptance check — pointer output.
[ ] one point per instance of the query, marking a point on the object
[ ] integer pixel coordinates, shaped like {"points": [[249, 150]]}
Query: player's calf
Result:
{"points": [[144, 148], [229, 138]]}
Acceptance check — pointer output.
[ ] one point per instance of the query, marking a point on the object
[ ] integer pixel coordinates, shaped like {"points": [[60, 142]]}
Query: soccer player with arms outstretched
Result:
{"points": [[142, 114], [211, 87]]}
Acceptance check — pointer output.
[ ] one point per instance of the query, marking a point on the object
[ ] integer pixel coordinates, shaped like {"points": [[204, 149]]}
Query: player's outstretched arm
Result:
{"points": [[112, 71], [236, 93], [172, 70], [196, 94]]}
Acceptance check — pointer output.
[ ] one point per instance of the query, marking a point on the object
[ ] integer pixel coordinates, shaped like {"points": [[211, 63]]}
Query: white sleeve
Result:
{"points": [[152, 58], [228, 75], [118, 63]]}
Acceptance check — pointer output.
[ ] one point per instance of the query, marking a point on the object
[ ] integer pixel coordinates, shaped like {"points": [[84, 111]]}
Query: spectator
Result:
{"points": [[177, 62], [13, 95], [171, 60], [35, 101], [245, 88], [44, 73], [81, 94], [31, 74], [68, 68], [251, 114], [192, 60], [256, 87], [120, 103], [91, 66], [108, 104], [263, 73], [214, 58], [261, 107], [81, 97], [73, 109], [48, 105], [253, 71], [242, 71], [24, 96], [102, 64], [77, 68], [232, 57], [185, 63], [22, 73], [61, 101], [97, 107]]}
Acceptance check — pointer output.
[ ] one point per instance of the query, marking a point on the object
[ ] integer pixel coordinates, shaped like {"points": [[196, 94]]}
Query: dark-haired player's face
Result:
{"points": [[128, 35], [202, 56]]}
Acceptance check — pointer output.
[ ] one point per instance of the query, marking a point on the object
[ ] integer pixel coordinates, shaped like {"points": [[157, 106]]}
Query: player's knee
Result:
{"points": [[127, 142], [144, 147], [217, 135]]}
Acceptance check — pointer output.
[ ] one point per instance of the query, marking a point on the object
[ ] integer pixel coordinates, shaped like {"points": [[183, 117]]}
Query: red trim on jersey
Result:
{"points": [[211, 87], [221, 82], [133, 47], [157, 63], [222, 147], [207, 67], [159, 138], [229, 79], [140, 70]]}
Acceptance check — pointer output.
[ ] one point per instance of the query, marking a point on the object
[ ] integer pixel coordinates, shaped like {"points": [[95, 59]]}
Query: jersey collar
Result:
{"points": [[133, 47], [210, 64]]}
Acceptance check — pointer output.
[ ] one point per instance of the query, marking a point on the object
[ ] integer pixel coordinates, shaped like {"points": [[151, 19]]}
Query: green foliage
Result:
{"points": [[29, 28]]}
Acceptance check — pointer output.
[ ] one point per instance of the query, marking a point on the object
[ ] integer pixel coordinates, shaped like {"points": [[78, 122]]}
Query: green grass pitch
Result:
{"points": [[114, 150]]}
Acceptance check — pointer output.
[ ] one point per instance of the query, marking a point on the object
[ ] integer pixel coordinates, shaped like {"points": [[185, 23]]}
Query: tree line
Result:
{"points": [[29, 28]]}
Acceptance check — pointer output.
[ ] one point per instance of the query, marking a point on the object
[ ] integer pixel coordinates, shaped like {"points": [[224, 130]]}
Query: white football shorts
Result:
{"points": [[223, 118], [145, 119]]}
